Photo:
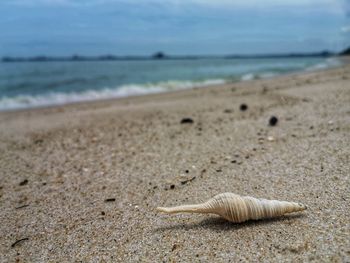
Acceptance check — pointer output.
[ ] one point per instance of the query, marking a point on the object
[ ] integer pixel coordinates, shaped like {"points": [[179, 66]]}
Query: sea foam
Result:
{"points": [[57, 98]]}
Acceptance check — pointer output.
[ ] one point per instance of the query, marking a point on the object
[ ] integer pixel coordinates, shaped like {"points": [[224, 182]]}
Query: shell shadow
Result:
{"points": [[220, 224]]}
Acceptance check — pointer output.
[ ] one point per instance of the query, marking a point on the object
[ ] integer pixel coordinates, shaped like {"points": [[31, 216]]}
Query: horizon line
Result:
{"points": [[160, 55]]}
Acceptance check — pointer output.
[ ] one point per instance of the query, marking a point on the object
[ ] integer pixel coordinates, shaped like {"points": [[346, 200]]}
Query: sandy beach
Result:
{"points": [[81, 182]]}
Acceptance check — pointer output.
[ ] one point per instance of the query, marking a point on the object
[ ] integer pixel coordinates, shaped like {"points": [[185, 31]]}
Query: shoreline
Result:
{"points": [[343, 61], [82, 181]]}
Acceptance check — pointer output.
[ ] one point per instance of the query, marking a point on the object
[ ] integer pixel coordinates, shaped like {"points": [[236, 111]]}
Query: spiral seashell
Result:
{"points": [[237, 209]]}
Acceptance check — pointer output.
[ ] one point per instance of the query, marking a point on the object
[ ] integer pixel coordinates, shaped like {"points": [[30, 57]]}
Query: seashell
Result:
{"points": [[237, 209]]}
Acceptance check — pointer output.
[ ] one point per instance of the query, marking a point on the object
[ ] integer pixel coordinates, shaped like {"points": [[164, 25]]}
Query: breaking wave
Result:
{"points": [[57, 98]]}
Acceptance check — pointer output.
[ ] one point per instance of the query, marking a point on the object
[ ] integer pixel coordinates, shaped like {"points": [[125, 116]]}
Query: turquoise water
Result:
{"points": [[33, 84]]}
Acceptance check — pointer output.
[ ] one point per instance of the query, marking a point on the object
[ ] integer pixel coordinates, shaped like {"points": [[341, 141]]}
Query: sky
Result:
{"points": [[175, 27]]}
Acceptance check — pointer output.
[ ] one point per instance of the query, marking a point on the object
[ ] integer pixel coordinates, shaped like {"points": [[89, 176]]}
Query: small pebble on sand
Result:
{"points": [[24, 182], [243, 107], [110, 200], [273, 121], [270, 138], [186, 120]]}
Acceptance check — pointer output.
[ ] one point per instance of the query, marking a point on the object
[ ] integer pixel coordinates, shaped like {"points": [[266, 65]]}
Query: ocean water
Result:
{"points": [[38, 84]]}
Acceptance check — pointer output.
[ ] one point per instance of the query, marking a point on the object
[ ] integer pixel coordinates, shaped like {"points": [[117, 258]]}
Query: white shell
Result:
{"points": [[237, 209]]}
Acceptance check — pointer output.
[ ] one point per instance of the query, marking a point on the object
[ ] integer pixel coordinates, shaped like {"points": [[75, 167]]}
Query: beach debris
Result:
{"points": [[237, 209], [228, 111], [243, 107], [188, 180], [22, 206], [186, 120], [19, 241], [273, 121], [24, 182], [110, 200]]}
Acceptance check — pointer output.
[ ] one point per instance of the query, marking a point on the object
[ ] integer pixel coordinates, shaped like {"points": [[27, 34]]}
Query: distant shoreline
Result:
{"points": [[159, 56]]}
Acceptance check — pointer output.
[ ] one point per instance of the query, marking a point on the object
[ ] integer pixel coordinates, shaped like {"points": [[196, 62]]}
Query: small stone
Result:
{"points": [[24, 182], [186, 120], [243, 107], [273, 121], [172, 186], [270, 138], [110, 200]]}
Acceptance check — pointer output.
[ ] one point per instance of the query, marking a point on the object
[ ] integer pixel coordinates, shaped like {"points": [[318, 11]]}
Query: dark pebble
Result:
{"points": [[24, 182], [186, 120], [110, 200], [172, 186], [103, 213], [243, 107], [273, 121]]}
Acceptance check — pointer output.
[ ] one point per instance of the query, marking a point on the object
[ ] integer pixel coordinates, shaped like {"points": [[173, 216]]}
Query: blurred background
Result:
{"points": [[61, 51]]}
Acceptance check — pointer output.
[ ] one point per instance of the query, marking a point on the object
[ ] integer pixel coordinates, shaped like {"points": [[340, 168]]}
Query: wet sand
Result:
{"points": [[81, 182]]}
